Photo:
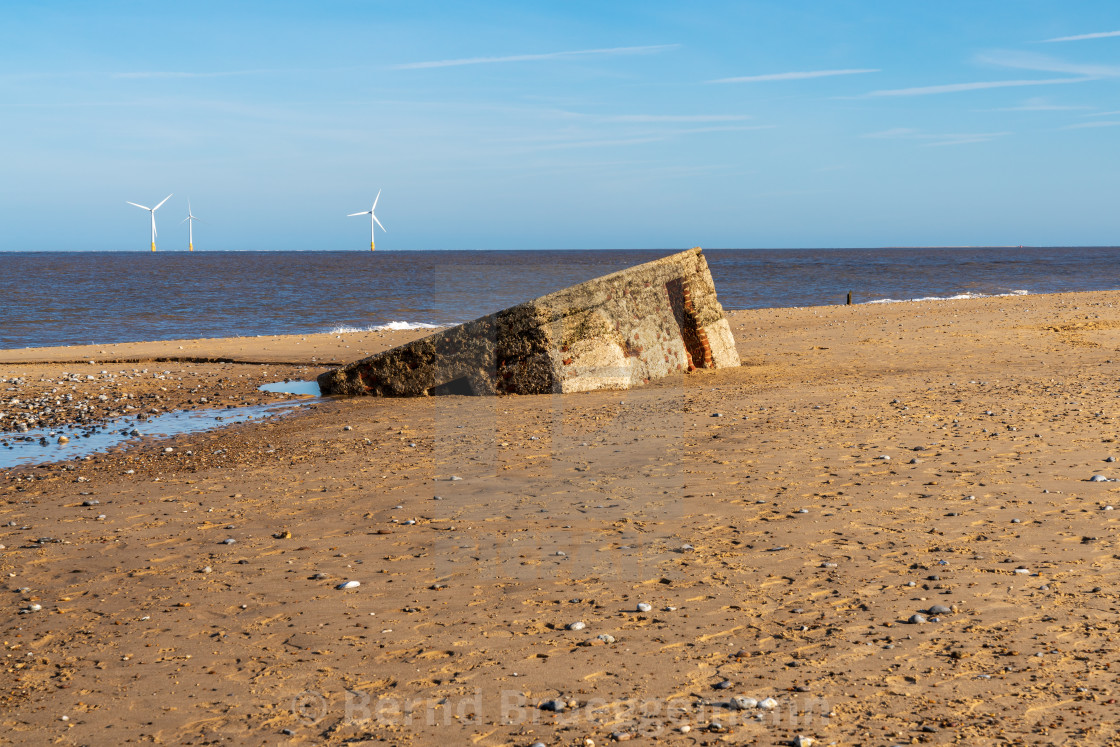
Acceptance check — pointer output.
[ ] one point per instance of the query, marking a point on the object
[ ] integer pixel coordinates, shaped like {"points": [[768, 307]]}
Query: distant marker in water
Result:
{"points": [[153, 212], [372, 219], [190, 226]]}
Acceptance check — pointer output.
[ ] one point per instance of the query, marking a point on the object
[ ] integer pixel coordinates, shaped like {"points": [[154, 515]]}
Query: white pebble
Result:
{"points": [[349, 585], [578, 625]]}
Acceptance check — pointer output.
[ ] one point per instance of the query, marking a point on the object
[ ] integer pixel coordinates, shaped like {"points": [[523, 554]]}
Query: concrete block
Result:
{"points": [[613, 332]]}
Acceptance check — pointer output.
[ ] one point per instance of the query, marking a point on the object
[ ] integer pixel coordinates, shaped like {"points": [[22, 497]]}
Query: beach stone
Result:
{"points": [[613, 332], [939, 609], [1098, 478], [578, 625], [555, 705], [742, 703], [917, 619]]}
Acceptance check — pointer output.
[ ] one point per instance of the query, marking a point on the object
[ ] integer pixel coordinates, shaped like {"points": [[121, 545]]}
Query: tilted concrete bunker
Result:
{"points": [[613, 332]]}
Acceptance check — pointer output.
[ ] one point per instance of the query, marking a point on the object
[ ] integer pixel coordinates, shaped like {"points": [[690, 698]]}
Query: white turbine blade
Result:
{"points": [[383, 228], [375, 199], [165, 199], [139, 206], [184, 220], [364, 212]]}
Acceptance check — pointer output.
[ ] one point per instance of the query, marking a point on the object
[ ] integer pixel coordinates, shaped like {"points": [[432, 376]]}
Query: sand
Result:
{"points": [[783, 521]]}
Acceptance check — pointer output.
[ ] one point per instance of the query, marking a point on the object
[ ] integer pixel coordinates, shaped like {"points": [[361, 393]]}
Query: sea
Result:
{"points": [[77, 298]]}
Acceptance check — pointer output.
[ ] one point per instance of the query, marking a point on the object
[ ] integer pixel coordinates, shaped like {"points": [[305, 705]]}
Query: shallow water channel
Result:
{"points": [[39, 446]]}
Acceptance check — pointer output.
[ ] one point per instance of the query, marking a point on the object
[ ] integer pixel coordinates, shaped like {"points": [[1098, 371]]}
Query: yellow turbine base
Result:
{"points": [[153, 246], [190, 247], [371, 247]]}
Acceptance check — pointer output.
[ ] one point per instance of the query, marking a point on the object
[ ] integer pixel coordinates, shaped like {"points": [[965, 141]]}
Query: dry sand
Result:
{"points": [[755, 510]]}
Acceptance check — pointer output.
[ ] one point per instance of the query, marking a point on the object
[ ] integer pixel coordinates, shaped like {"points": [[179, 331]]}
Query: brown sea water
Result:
{"points": [[64, 298]]}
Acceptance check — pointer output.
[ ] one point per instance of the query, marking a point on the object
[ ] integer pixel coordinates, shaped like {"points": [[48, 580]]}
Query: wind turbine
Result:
{"points": [[190, 226], [372, 219], [153, 212]]}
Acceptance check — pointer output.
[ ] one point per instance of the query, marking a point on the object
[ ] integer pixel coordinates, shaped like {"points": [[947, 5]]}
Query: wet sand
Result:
{"points": [[783, 521]]}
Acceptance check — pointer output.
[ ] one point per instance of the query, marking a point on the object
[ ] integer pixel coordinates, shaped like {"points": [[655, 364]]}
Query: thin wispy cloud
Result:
{"points": [[612, 51], [802, 75], [1046, 64], [978, 86], [1088, 125], [1038, 104], [167, 74], [933, 140], [1103, 114], [1083, 37], [676, 118]]}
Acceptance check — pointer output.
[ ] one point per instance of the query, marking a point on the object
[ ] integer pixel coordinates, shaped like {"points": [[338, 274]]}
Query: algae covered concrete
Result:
{"points": [[613, 332]]}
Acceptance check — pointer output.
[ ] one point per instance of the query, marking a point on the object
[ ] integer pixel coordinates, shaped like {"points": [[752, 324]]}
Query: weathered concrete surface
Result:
{"points": [[613, 332]]}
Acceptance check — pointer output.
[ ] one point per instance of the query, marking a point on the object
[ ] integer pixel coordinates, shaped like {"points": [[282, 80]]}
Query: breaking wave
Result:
{"points": [[958, 297], [391, 326]]}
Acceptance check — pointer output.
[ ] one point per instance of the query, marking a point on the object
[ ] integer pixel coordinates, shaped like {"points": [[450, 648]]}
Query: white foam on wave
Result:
{"points": [[958, 297], [391, 326]]}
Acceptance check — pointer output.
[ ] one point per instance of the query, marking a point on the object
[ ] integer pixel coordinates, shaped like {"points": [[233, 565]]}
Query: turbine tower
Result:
{"points": [[153, 212], [190, 226], [372, 219]]}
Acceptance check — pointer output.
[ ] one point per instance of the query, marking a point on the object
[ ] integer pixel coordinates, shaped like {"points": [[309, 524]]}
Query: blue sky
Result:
{"points": [[533, 125]]}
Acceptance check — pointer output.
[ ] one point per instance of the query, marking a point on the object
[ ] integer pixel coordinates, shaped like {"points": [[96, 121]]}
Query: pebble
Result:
{"points": [[800, 741], [1023, 571], [319, 577], [606, 638], [742, 704], [643, 607], [91, 503], [917, 619], [63, 440], [768, 704], [347, 428], [168, 450], [349, 585], [725, 685], [228, 541], [1016, 521], [578, 625], [555, 706], [939, 609], [1111, 459], [1098, 478]]}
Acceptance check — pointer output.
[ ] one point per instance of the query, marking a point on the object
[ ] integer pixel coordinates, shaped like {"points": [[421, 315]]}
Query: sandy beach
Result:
{"points": [[780, 525]]}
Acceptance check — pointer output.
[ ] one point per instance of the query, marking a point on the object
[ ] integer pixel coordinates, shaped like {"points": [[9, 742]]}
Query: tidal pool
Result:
{"points": [[40, 446]]}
